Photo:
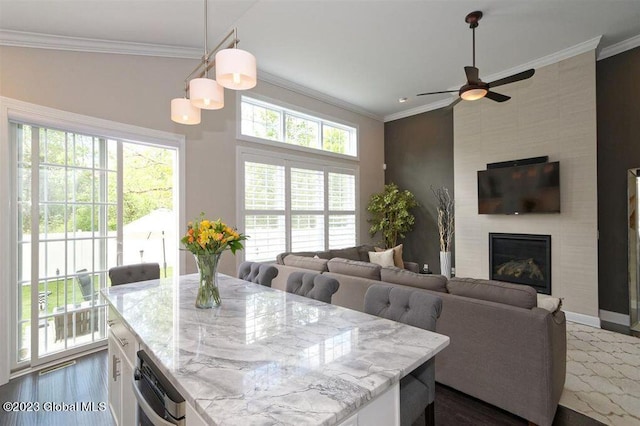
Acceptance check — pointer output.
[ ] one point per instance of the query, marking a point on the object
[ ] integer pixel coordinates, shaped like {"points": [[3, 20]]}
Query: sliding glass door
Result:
{"points": [[83, 205]]}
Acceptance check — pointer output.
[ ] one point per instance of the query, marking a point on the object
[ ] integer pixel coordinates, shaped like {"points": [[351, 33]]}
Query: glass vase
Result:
{"points": [[208, 292]]}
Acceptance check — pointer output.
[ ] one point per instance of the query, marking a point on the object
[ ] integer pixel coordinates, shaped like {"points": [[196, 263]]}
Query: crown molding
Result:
{"points": [[77, 44], [303, 90], [48, 41], [420, 109], [553, 58], [623, 46]]}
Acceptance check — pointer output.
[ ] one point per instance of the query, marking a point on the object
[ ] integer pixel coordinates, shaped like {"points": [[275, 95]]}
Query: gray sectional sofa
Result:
{"points": [[504, 349]]}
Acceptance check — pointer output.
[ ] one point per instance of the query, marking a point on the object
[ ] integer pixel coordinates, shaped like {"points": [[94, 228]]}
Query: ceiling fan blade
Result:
{"points": [[436, 93], [472, 75], [498, 97], [512, 79]]}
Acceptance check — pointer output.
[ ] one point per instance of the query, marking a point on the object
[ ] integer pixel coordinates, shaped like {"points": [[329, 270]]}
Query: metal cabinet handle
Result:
{"points": [[123, 342], [115, 372], [111, 322]]}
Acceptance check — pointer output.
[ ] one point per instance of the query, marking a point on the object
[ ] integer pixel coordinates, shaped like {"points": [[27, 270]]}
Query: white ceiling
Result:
{"points": [[364, 53]]}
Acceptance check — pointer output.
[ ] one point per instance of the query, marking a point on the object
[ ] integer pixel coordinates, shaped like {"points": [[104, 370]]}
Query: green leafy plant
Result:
{"points": [[390, 213]]}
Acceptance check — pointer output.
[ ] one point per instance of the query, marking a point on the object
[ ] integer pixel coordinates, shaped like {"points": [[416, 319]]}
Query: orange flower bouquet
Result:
{"points": [[207, 240]]}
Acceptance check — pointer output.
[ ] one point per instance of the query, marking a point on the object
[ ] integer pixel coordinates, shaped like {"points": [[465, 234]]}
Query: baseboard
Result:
{"points": [[583, 319], [615, 317]]}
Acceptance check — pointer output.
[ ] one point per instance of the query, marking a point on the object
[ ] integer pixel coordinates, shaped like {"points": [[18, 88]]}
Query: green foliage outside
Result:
{"points": [[79, 170], [390, 214]]}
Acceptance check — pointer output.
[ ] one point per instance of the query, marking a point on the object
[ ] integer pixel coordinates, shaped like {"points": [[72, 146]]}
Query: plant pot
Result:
{"points": [[445, 263]]}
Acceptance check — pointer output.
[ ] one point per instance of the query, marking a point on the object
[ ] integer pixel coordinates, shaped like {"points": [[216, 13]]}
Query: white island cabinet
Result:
{"points": [[264, 356], [122, 348]]}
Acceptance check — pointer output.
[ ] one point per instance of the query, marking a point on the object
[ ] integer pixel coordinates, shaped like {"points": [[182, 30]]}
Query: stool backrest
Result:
{"points": [[259, 273], [315, 286], [133, 273]]}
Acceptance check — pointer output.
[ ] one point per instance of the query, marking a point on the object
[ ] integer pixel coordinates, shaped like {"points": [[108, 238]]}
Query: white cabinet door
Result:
{"points": [[115, 379]]}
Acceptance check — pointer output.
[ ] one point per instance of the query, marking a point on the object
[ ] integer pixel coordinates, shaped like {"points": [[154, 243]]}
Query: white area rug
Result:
{"points": [[603, 375]]}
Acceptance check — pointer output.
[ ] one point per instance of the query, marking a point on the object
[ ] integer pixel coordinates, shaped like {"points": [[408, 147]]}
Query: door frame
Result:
{"points": [[12, 109]]}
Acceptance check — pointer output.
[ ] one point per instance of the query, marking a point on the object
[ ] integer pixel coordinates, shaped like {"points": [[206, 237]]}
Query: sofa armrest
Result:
{"points": [[510, 357], [412, 266]]}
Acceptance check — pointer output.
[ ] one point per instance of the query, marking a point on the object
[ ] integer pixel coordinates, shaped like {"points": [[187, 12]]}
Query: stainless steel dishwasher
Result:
{"points": [[159, 402]]}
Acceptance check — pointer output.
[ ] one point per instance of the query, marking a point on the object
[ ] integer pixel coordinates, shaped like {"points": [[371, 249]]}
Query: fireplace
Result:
{"points": [[521, 259]]}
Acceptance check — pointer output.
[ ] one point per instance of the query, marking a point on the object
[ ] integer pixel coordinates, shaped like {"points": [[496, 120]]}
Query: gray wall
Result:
{"points": [[618, 91], [418, 151]]}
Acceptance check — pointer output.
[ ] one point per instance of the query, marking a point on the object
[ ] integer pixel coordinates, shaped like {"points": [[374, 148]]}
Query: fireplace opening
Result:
{"points": [[521, 259]]}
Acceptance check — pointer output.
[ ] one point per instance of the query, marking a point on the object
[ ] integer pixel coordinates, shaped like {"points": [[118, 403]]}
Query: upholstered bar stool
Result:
{"points": [[314, 286], [419, 309], [133, 273], [259, 273]]}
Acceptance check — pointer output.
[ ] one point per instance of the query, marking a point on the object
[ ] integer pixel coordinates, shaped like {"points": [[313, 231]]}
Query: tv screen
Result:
{"points": [[533, 188]]}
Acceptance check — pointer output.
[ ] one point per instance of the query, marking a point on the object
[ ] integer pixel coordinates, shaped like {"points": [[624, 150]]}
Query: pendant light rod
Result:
{"points": [[207, 57], [474, 46]]}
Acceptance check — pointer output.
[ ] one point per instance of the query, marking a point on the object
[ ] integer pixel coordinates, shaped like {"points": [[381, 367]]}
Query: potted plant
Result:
{"points": [[390, 214], [445, 227]]}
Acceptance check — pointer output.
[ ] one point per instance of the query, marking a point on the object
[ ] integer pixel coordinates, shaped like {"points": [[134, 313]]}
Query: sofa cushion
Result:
{"points": [[382, 258], [431, 282], [312, 263], [364, 250], [522, 296], [321, 254], [397, 255], [354, 268], [346, 253]]}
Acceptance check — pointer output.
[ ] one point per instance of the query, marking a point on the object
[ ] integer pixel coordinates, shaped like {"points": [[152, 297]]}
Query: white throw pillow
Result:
{"points": [[382, 258]]}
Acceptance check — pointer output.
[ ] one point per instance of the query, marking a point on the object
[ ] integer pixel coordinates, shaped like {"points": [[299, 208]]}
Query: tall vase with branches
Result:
{"points": [[446, 227]]}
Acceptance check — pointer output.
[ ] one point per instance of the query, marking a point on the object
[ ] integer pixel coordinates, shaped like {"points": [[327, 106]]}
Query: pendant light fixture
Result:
{"points": [[235, 69], [183, 112]]}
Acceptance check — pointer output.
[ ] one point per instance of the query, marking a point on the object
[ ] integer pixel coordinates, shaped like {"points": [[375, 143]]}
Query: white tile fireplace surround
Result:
{"points": [[552, 114]]}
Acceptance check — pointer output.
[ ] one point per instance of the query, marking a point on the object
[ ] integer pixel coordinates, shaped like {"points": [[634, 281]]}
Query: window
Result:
{"points": [[292, 204], [262, 121]]}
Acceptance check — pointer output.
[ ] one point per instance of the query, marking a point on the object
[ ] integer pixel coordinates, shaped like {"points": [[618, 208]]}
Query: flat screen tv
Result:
{"points": [[533, 188]]}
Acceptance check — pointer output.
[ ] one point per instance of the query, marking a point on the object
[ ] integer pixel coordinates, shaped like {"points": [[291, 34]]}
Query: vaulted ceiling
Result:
{"points": [[365, 54]]}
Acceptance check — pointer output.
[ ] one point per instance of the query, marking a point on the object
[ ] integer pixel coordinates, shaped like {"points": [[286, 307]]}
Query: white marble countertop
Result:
{"points": [[267, 357]]}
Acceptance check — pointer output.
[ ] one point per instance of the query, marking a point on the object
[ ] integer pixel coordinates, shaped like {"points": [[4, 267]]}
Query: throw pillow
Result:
{"points": [[382, 258], [397, 255]]}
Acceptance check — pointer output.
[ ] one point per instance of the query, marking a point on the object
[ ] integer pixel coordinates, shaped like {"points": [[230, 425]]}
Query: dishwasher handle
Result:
{"points": [[150, 412]]}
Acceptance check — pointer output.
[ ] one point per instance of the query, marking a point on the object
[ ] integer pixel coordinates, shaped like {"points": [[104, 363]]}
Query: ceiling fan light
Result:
{"points": [[473, 94], [236, 69], [206, 93], [183, 112]]}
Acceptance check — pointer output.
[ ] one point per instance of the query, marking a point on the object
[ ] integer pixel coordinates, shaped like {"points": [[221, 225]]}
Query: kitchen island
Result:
{"points": [[269, 357]]}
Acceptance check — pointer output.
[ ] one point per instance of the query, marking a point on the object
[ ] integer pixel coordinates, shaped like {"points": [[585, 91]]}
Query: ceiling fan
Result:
{"points": [[475, 88]]}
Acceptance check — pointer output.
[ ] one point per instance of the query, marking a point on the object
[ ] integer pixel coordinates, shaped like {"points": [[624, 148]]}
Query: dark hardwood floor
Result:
{"points": [[86, 381], [454, 408]]}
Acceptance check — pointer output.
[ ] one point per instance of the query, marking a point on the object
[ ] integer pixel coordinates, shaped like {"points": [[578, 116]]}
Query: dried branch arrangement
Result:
{"points": [[445, 217]]}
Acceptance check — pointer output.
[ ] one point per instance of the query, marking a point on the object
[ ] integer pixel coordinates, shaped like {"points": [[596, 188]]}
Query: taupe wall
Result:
{"points": [[137, 90], [419, 154], [618, 90], [554, 114]]}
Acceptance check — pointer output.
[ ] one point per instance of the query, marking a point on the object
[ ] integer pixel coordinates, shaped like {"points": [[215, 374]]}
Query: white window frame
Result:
{"points": [[289, 161], [15, 110], [300, 112]]}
